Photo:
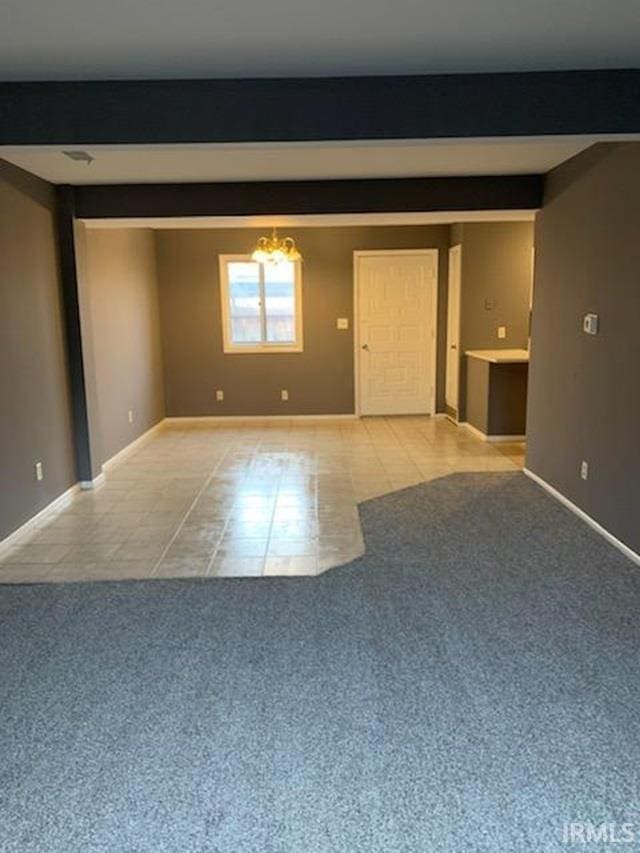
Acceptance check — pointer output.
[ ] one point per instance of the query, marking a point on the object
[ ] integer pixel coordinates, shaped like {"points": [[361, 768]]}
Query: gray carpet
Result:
{"points": [[470, 684]]}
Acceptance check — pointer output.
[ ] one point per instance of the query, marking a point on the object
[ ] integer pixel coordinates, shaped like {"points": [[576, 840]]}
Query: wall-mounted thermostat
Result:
{"points": [[590, 324]]}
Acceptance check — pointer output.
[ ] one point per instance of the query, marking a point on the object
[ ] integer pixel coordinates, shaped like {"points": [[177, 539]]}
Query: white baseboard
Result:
{"points": [[136, 444], [176, 421], [185, 419], [485, 437], [628, 552], [84, 485], [478, 433], [29, 526]]}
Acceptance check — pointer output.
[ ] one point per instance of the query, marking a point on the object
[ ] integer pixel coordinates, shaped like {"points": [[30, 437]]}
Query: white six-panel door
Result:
{"points": [[396, 304]]}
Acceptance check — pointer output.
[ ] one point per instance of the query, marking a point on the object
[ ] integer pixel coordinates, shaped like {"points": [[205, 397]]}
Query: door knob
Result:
{"points": [[365, 346]]}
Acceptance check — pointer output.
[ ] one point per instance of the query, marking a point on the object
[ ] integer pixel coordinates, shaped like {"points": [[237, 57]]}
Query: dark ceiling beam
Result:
{"points": [[308, 109], [510, 192]]}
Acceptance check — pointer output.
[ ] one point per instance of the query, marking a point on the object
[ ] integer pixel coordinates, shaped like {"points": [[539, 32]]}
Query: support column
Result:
{"points": [[88, 466]]}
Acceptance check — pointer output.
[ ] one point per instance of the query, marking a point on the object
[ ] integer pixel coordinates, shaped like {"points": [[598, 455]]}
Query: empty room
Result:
{"points": [[319, 503]]}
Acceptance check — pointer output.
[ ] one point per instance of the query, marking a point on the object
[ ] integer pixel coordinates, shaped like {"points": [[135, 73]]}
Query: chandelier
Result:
{"points": [[275, 250]]}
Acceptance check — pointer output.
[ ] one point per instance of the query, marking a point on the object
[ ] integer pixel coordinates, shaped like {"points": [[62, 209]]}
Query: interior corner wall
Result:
{"points": [[122, 328], [35, 408], [584, 390], [320, 380], [495, 288]]}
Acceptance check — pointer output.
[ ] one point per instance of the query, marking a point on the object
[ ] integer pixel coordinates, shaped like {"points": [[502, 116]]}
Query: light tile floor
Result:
{"points": [[243, 499], [514, 450]]}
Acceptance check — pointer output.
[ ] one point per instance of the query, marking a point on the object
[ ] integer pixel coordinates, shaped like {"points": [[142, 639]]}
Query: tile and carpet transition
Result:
{"points": [[470, 684]]}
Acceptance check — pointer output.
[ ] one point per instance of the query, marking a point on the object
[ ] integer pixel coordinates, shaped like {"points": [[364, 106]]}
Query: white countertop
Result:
{"points": [[500, 356]]}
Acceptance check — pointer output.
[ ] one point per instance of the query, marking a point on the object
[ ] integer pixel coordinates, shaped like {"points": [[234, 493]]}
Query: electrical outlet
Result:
{"points": [[39, 471], [584, 470], [130, 415], [590, 324], [284, 395], [502, 332], [219, 395]]}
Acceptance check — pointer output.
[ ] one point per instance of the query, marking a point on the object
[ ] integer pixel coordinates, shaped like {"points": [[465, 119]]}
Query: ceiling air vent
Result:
{"points": [[79, 156]]}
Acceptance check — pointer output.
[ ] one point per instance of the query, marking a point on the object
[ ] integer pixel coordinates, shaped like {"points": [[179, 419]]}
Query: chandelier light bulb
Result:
{"points": [[275, 250]]}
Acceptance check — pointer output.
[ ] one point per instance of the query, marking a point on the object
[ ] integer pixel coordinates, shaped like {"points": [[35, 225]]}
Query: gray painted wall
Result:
{"points": [[495, 287], [35, 421], [496, 397], [508, 399], [121, 320], [584, 391], [320, 379], [477, 394]]}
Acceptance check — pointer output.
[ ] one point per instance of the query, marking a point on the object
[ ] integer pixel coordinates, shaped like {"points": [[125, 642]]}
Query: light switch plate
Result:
{"points": [[219, 395], [342, 323], [284, 395], [502, 332], [590, 324]]}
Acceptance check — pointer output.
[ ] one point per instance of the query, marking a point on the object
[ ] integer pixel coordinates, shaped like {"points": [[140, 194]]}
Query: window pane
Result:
{"points": [[279, 290], [244, 303]]}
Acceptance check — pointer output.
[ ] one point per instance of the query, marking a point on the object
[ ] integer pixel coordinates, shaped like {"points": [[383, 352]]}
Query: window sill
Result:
{"points": [[260, 349]]}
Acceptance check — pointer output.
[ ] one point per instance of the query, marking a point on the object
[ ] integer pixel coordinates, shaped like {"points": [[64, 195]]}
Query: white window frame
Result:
{"points": [[263, 347]]}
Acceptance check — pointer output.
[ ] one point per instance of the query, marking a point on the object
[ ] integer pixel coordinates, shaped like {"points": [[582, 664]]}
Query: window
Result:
{"points": [[261, 305]]}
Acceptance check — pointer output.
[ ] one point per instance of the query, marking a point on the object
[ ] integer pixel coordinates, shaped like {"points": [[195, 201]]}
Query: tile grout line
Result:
{"points": [[226, 524], [273, 511], [314, 474], [186, 515]]}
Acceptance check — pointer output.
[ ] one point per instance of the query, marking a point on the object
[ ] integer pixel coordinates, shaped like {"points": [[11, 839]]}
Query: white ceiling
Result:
{"points": [[74, 39], [280, 161]]}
